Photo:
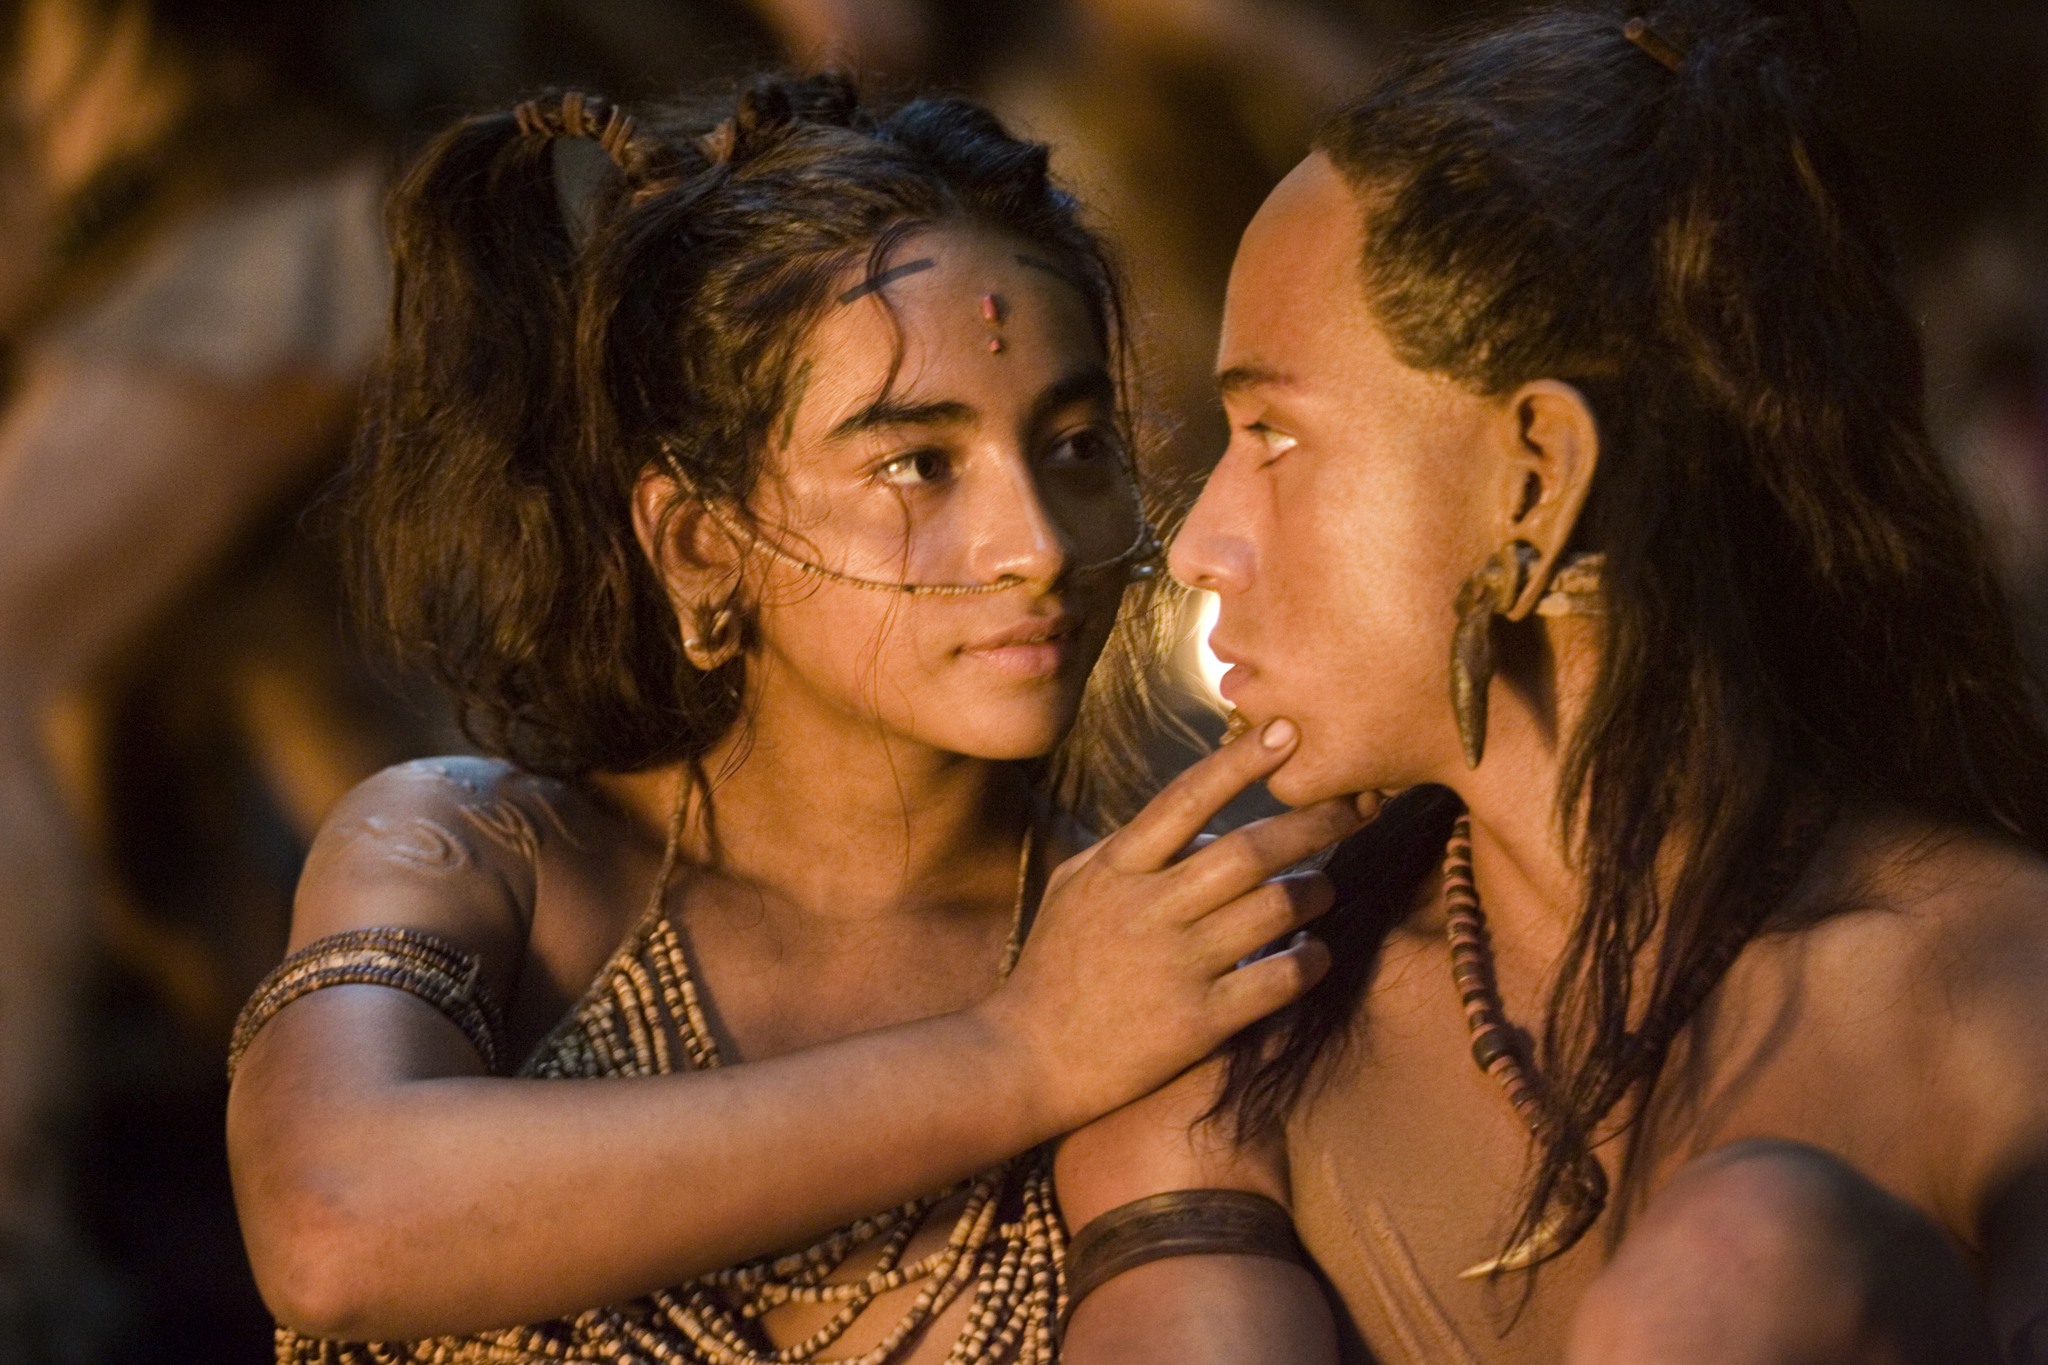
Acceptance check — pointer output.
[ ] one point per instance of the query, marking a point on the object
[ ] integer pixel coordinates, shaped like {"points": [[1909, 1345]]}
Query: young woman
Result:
{"points": [[760, 487], [1571, 382]]}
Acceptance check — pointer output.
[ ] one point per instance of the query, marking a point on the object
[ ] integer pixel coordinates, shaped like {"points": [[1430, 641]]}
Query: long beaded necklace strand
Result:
{"points": [[1012, 1266], [1493, 1039], [1495, 1052]]}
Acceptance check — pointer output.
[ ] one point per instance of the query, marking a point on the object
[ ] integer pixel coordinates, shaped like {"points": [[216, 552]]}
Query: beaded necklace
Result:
{"points": [[1494, 1045], [1012, 1264], [1006, 1250], [1494, 1050]]}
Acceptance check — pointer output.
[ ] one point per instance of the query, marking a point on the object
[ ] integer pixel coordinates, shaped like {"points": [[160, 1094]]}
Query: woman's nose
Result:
{"points": [[1017, 536]]}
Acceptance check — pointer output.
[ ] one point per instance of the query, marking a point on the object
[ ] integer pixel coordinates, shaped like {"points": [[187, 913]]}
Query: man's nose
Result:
{"points": [[1214, 549]]}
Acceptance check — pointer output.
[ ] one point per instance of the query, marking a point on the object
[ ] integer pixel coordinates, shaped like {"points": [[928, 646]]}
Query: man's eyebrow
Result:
{"points": [[885, 413], [1240, 377]]}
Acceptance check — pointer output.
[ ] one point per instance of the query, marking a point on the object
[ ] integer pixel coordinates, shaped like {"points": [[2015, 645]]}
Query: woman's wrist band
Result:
{"points": [[1181, 1223]]}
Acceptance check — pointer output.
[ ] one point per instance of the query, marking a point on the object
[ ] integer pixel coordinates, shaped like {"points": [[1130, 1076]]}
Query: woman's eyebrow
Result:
{"points": [[887, 413], [1092, 384], [1089, 385]]}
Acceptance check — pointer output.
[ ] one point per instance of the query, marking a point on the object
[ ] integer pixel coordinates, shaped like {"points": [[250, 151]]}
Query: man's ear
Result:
{"points": [[1556, 446], [689, 551]]}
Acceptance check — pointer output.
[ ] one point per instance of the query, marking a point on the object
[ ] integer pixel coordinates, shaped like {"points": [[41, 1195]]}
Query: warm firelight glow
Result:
{"points": [[1211, 667]]}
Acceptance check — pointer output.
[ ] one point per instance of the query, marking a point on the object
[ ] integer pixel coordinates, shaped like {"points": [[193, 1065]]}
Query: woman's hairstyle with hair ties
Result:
{"points": [[1799, 610], [583, 297]]}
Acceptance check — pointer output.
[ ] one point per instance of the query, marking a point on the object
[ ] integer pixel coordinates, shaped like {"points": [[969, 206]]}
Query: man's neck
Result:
{"points": [[1524, 862]]}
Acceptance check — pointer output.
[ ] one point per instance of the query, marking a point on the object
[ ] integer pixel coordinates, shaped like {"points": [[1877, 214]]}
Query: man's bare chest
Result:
{"points": [[1409, 1166]]}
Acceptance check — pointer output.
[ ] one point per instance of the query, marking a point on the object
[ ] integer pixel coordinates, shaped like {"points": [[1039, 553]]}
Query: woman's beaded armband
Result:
{"points": [[410, 960], [1181, 1223]]}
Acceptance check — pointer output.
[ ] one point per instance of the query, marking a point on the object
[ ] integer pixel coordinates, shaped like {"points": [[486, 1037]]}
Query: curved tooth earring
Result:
{"points": [[1487, 591], [714, 636]]}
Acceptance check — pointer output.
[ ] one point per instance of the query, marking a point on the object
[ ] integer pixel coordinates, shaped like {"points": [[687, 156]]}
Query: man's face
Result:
{"points": [[1348, 506]]}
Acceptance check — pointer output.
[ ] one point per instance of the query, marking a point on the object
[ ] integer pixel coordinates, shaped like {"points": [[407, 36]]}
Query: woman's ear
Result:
{"points": [[690, 553], [1556, 445]]}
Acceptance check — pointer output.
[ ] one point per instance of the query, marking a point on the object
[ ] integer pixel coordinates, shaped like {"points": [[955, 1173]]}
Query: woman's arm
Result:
{"points": [[1187, 1310], [389, 1189]]}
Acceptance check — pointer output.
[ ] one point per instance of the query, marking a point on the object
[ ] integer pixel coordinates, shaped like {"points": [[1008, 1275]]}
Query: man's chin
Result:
{"points": [[1297, 784]]}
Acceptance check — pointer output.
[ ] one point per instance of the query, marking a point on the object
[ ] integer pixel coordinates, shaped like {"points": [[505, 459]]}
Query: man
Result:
{"points": [[1568, 381]]}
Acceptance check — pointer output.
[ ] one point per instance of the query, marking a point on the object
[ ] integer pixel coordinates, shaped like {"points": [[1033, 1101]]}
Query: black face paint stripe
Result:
{"points": [[874, 282], [1040, 263]]}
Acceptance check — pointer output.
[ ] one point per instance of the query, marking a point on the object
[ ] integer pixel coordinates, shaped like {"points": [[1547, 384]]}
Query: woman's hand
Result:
{"points": [[372, 1153], [1131, 973]]}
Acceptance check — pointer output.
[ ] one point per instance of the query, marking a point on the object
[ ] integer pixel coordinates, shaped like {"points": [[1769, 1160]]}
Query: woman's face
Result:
{"points": [[953, 424], [1354, 497]]}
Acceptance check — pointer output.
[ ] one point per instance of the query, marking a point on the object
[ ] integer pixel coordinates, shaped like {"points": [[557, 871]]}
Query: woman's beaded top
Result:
{"points": [[642, 1017]]}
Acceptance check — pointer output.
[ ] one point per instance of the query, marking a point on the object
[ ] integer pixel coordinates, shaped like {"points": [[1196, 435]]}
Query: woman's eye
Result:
{"points": [[1088, 446], [918, 467], [1277, 443]]}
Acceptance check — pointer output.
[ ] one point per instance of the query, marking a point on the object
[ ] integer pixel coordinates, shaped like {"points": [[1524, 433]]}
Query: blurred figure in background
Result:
{"points": [[196, 283]]}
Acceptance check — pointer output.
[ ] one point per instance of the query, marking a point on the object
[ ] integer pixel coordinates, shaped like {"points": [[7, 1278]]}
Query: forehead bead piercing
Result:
{"points": [[992, 314]]}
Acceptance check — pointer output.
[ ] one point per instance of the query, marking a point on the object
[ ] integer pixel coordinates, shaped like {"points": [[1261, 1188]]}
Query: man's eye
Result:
{"points": [[1277, 443], [917, 467]]}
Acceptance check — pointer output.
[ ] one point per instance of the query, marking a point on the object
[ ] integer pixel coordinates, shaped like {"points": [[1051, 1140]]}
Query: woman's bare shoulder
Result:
{"points": [[452, 844]]}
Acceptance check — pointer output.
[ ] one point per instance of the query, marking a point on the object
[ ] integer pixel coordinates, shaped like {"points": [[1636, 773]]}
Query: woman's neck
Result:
{"points": [[846, 822]]}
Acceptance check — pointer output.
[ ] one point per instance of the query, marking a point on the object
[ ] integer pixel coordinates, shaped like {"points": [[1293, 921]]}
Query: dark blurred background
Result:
{"points": [[192, 283]]}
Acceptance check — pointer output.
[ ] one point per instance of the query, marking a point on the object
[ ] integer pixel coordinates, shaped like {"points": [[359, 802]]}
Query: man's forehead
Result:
{"points": [[1296, 284]]}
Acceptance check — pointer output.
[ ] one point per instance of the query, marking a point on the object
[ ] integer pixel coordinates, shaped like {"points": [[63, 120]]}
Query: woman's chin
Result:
{"points": [[1010, 738]]}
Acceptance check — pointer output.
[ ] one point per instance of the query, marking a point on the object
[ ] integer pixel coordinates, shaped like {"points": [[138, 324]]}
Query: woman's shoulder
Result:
{"points": [[440, 839]]}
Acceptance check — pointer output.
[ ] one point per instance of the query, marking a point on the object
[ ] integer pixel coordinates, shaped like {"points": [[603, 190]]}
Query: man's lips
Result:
{"points": [[1236, 672], [1029, 649]]}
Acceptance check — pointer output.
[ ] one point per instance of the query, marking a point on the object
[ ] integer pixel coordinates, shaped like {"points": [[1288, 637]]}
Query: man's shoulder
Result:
{"points": [[1937, 973]]}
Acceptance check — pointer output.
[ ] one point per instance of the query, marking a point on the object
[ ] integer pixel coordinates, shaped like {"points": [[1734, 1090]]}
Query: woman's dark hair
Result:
{"points": [[548, 349], [1799, 609]]}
